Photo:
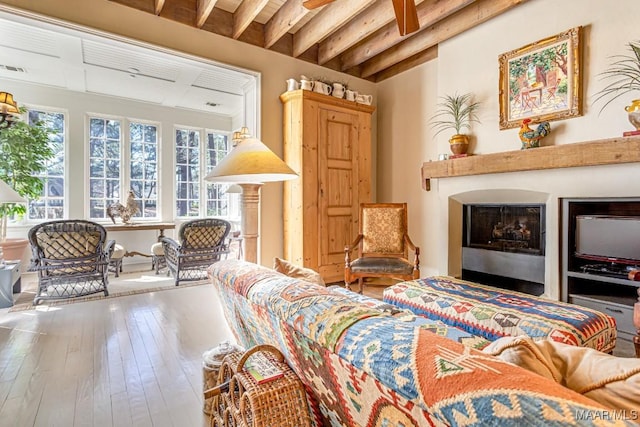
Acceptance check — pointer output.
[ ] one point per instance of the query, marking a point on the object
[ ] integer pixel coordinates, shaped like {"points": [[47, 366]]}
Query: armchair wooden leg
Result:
{"points": [[360, 284]]}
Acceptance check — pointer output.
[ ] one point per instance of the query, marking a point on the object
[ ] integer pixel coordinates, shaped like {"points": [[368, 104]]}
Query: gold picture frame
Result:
{"points": [[541, 81]]}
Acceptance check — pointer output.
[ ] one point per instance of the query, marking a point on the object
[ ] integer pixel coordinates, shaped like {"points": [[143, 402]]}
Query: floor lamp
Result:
{"points": [[250, 164]]}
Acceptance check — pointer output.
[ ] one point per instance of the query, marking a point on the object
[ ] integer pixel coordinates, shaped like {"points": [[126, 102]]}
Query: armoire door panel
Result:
{"points": [[338, 234], [339, 187]]}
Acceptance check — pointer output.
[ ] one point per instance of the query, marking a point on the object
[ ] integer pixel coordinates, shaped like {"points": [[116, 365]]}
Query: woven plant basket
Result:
{"points": [[239, 401]]}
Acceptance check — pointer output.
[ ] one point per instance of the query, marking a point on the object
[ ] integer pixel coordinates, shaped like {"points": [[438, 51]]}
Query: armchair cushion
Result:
{"points": [[383, 230], [65, 245], [381, 265], [204, 237], [292, 270]]}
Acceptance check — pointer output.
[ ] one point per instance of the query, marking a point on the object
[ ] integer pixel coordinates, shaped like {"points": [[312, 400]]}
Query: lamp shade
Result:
{"points": [[7, 104], [9, 195], [251, 162]]}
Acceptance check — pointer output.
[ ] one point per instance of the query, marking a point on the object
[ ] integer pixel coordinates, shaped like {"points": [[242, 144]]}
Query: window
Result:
{"points": [[194, 160], [144, 167], [50, 205], [113, 169]]}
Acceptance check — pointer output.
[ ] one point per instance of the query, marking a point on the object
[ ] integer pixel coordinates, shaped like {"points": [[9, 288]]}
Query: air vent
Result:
{"points": [[12, 68]]}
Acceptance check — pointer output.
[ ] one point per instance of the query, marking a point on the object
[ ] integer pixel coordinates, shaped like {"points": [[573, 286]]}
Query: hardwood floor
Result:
{"points": [[134, 360]]}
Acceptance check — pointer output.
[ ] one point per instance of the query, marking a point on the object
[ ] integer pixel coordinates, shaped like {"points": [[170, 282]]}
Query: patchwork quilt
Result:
{"points": [[494, 313], [363, 365]]}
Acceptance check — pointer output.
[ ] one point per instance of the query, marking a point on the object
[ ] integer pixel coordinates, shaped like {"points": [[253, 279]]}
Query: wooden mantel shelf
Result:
{"points": [[588, 153]]}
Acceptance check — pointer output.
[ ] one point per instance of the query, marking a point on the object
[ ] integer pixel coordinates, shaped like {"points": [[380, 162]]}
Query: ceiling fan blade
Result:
{"points": [[406, 16], [312, 4]]}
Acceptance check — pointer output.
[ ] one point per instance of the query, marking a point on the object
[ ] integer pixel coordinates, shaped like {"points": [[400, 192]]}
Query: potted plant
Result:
{"points": [[624, 77], [24, 151], [456, 112]]}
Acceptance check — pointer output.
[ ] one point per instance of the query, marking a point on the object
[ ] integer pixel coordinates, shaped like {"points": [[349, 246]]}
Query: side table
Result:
{"points": [[9, 283]]}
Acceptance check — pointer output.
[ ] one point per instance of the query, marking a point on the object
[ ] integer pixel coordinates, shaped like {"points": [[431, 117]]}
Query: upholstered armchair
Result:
{"points": [[383, 245], [71, 258], [202, 242]]}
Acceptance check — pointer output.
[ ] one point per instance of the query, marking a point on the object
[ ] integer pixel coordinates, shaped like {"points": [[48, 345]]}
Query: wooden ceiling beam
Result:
{"points": [[157, 6], [363, 25], [467, 18], [283, 20], [326, 22], [245, 14], [409, 63], [429, 13], [203, 10]]}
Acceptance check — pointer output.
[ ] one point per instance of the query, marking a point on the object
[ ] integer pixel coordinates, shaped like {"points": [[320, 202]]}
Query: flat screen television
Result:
{"points": [[608, 238]]}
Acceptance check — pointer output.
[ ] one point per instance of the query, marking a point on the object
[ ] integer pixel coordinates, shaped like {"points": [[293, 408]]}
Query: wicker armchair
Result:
{"points": [[71, 258], [203, 242], [383, 245]]}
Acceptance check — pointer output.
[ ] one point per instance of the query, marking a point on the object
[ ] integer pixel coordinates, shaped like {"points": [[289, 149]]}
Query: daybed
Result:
{"points": [[365, 363]]}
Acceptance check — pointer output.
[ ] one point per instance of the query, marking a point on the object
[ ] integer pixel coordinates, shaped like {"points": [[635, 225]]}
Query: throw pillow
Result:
{"points": [[610, 380], [291, 270]]}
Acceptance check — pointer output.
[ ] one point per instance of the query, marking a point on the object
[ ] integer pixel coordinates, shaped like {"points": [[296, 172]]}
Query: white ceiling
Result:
{"points": [[41, 53]]}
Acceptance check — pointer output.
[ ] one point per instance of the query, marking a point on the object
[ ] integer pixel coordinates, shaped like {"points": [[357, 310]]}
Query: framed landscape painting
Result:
{"points": [[541, 81]]}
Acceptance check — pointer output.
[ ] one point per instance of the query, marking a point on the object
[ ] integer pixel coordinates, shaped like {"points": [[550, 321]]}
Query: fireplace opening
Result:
{"points": [[503, 246]]}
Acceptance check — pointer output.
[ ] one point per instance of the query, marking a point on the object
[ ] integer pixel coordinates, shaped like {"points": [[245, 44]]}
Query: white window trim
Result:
{"points": [[125, 159]]}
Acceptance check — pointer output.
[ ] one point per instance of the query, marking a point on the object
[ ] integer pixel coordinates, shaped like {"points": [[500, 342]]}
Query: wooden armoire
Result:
{"points": [[327, 141]]}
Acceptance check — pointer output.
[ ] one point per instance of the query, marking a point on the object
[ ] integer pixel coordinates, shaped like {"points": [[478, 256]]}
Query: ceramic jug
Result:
{"points": [[364, 99], [306, 84], [292, 84], [338, 90], [351, 95], [323, 88]]}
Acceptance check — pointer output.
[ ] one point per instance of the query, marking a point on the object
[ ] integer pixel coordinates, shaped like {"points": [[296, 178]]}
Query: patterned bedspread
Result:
{"points": [[364, 365], [493, 313]]}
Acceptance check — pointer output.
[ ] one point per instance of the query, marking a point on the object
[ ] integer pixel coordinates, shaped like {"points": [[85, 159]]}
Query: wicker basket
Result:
{"points": [[212, 361], [239, 401]]}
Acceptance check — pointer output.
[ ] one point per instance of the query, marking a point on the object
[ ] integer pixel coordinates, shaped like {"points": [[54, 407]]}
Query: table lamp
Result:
{"points": [[250, 164]]}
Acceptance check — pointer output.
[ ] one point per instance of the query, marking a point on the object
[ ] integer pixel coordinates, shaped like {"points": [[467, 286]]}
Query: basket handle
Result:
{"points": [[262, 347]]}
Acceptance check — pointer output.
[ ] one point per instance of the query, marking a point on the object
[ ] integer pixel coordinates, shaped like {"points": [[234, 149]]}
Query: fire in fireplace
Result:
{"points": [[504, 245], [506, 228]]}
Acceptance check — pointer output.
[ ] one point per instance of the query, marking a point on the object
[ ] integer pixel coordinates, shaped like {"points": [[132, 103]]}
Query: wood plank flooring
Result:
{"points": [[127, 361]]}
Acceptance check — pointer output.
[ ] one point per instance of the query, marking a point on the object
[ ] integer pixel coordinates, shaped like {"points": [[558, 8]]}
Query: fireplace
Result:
{"points": [[503, 245]]}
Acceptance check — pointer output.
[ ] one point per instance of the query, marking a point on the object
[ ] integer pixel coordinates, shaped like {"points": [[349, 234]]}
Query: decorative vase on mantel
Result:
{"points": [[459, 143], [634, 113]]}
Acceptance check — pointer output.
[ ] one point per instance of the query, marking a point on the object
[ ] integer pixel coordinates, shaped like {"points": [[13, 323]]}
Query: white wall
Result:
{"points": [[469, 63], [275, 69]]}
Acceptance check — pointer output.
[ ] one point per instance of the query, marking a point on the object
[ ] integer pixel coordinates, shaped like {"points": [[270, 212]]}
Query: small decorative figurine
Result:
{"points": [[124, 212], [531, 138]]}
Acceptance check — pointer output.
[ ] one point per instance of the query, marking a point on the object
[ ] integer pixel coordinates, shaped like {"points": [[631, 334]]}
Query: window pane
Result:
{"points": [[53, 175], [187, 173], [96, 128], [217, 199], [143, 168], [104, 165]]}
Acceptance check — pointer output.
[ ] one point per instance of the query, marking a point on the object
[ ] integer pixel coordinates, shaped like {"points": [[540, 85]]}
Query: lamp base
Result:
{"points": [[250, 215]]}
